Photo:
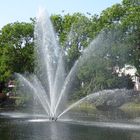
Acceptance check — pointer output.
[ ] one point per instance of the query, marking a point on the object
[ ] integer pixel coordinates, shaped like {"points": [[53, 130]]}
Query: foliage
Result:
{"points": [[116, 32], [16, 49]]}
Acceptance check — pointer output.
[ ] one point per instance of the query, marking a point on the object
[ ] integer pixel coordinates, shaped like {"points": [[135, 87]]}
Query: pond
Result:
{"points": [[82, 126]]}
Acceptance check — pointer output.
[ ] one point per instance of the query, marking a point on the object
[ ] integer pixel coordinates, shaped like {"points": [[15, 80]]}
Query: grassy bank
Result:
{"points": [[84, 107], [130, 107]]}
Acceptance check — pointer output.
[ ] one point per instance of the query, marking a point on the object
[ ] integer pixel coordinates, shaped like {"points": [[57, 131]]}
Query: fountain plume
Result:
{"points": [[50, 83]]}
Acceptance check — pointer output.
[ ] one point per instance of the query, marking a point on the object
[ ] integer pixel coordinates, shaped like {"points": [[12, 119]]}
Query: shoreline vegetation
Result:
{"points": [[130, 107], [126, 107]]}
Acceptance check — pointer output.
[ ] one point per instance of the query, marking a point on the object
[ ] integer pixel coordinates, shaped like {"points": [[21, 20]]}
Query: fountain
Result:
{"points": [[50, 83]]}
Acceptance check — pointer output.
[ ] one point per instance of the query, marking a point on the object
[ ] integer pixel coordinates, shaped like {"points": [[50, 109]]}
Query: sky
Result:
{"points": [[22, 10]]}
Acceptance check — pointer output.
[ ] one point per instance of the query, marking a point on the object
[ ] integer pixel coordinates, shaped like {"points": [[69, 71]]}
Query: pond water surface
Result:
{"points": [[22, 126]]}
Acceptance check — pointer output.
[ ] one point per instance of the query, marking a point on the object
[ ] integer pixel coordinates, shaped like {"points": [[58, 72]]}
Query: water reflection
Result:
{"points": [[14, 129], [75, 125]]}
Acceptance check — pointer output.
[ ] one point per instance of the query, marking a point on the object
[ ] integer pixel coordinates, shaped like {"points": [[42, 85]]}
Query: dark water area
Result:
{"points": [[24, 130], [82, 126]]}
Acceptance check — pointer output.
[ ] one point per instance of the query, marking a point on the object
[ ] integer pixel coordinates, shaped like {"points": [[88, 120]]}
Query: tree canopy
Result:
{"points": [[116, 29], [16, 49]]}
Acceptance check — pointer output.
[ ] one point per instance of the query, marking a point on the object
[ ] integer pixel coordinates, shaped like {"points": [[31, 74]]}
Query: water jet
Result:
{"points": [[50, 82]]}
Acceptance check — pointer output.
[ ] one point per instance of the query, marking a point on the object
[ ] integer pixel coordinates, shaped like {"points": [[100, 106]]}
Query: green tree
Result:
{"points": [[16, 45]]}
